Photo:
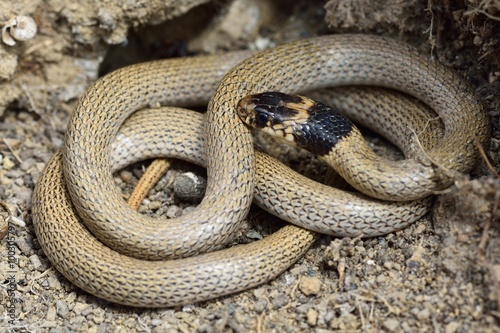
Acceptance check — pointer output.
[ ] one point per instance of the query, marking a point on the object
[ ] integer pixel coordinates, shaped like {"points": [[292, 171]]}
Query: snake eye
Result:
{"points": [[261, 118]]}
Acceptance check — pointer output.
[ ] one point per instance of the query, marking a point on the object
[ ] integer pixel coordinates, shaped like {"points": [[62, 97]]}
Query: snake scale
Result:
{"points": [[127, 258]]}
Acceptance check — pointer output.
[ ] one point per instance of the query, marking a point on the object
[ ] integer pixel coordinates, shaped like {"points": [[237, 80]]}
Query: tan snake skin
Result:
{"points": [[303, 65]]}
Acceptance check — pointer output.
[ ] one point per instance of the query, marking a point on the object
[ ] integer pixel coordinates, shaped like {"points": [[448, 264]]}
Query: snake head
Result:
{"points": [[275, 113], [295, 119]]}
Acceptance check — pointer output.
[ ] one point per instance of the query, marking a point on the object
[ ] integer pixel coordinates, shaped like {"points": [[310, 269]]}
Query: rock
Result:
{"points": [[190, 187]]}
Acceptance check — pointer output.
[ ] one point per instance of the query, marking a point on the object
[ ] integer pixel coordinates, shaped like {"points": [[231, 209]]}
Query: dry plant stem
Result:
{"points": [[151, 176], [484, 156]]}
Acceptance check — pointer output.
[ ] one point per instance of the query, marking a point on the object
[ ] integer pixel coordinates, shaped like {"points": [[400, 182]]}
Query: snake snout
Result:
{"points": [[244, 110], [256, 114]]}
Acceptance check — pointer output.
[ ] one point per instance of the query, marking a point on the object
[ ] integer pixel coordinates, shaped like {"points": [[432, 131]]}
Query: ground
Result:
{"points": [[440, 274]]}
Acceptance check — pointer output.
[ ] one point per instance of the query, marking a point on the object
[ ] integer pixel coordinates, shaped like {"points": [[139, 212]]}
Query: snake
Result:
{"points": [[90, 235]]}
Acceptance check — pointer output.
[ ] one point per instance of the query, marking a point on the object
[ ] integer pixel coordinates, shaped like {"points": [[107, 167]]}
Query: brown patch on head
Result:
{"points": [[305, 104]]}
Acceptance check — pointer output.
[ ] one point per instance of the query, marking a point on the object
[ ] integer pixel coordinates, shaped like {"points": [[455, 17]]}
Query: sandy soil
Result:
{"points": [[441, 274]]}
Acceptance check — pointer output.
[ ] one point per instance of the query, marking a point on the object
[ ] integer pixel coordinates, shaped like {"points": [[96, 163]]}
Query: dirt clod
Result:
{"points": [[310, 285]]}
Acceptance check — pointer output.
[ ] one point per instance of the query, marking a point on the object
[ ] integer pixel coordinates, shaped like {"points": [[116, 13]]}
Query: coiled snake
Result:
{"points": [[137, 270]]}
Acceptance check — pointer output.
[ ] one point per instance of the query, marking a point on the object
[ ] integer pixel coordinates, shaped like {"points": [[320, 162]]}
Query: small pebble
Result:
{"points": [[280, 301], [154, 205], [312, 317], [103, 328], [51, 324], [77, 320], [80, 307], [106, 18], [420, 229], [126, 176], [35, 260], [406, 327], [23, 245], [27, 164], [452, 327], [97, 316], [241, 317], [51, 314], [155, 322], [252, 234], [188, 210], [98, 319], [423, 315], [7, 163], [54, 283], [173, 212], [23, 195], [260, 306], [62, 308], [71, 297], [392, 325], [15, 173]]}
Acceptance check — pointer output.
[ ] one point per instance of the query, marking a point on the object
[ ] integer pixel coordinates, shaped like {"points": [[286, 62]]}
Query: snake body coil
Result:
{"points": [[316, 63]]}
